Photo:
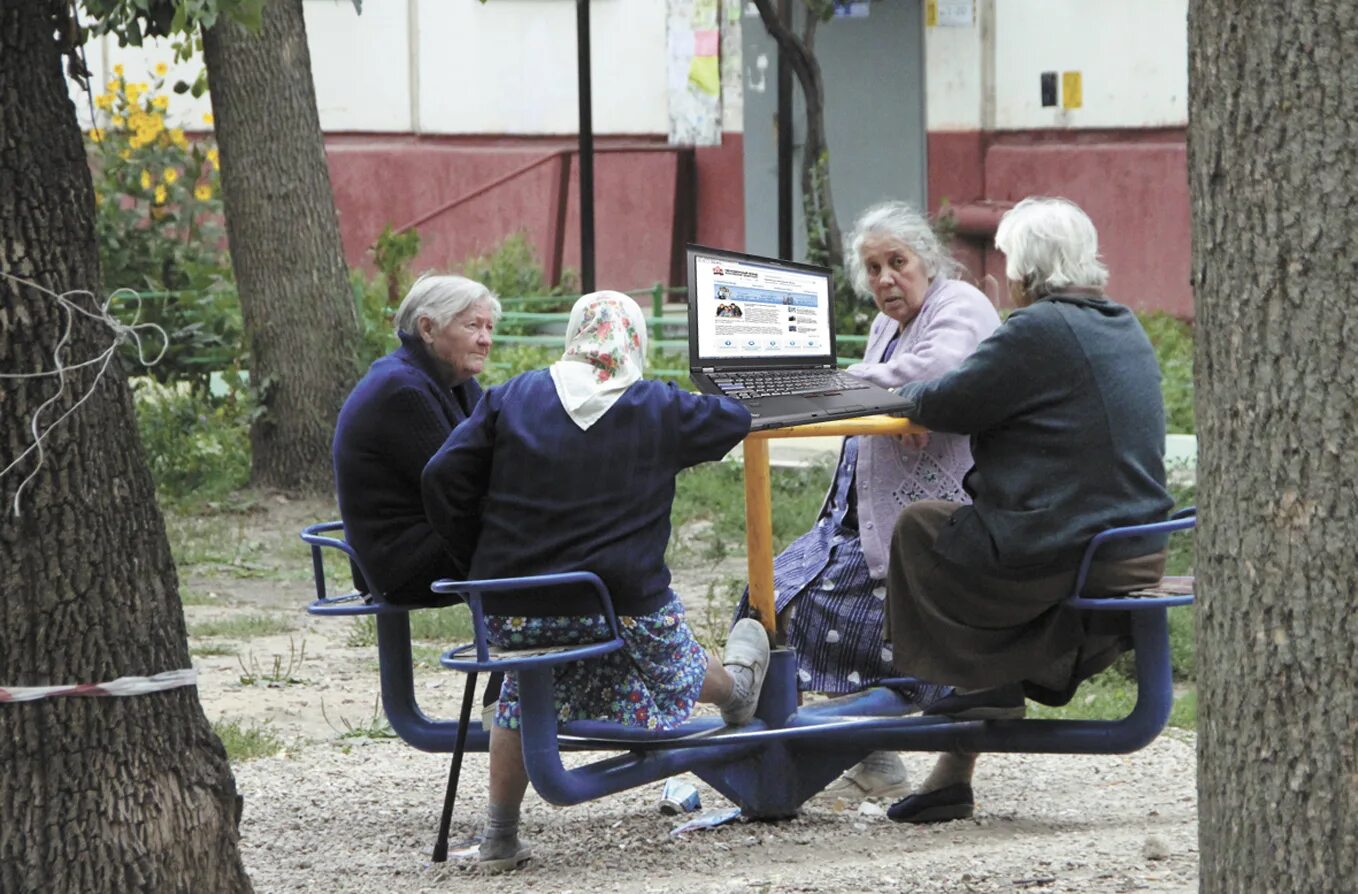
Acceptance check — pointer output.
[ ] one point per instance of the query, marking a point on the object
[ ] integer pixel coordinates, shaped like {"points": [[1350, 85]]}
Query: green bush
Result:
{"points": [[160, 229], [1173, 341], [198, 446]]}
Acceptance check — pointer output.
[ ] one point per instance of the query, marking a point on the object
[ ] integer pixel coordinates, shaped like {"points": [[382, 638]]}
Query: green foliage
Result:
{"points": [[131, 21], [243, 743], [450, 626], [512, 270], [375, 332], [1173, 342], [198, 445], [1110, 696]]}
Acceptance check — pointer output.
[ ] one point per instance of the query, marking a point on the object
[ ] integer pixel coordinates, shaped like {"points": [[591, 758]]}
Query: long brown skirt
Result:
{"points": [[952, 624]]}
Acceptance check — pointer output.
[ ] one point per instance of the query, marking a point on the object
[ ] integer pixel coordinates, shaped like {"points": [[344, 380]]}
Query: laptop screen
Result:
{"points": [[743, 307]]}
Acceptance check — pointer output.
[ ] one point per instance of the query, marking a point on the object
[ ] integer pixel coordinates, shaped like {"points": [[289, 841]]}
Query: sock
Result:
{"points": [[742, 682], [952, 768], [886, 764], [501, 833]]}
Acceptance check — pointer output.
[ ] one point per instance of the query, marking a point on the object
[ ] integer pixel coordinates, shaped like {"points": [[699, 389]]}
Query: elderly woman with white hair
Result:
{"points": [[397, 416], [830, 583], [572, 468], [1067, 427]]}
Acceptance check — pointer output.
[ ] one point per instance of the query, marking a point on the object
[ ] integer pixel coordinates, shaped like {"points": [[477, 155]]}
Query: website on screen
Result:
{"points": [[755, 310]]}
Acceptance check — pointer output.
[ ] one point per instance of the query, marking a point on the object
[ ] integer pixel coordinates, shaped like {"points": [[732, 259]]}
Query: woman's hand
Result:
{"points": [[918, 441]]}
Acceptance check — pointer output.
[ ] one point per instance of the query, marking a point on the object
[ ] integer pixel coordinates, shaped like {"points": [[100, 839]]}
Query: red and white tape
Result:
{"points": [[120, 687]]}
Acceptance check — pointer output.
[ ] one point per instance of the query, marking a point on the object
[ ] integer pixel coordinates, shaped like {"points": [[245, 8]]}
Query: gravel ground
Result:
{"points": [[360, 816]]}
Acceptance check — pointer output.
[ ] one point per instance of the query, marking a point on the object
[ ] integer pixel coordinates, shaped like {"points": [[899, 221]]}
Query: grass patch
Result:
{"points": [[247, 627], [451, 625], [196, 597], [245, 743], [1173, 342], [714, 493], [1111, 696], [212, 650]]}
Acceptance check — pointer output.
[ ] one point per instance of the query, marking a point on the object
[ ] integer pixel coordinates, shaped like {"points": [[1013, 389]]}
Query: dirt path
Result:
{"points": [[343, 810]]}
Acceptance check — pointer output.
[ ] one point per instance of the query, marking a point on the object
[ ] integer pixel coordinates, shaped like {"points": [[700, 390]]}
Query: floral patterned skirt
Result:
{"points": [[652, 682]]}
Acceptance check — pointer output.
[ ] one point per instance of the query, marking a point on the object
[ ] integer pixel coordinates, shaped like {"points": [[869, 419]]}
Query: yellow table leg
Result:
{"points": [[759, 532]]}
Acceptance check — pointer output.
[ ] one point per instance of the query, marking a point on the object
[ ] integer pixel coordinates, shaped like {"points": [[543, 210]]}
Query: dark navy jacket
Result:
{"points": [[396, 418], [1067, 428], [519, 489]]}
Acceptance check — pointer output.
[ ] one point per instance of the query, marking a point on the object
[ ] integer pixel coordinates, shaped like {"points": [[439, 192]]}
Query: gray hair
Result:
{"points": [[901, 220], [441, 298], [1050, 244]]}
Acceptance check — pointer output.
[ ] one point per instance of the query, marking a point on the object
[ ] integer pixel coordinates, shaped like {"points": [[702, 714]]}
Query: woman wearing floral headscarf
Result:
{"points": [[572, 468]]}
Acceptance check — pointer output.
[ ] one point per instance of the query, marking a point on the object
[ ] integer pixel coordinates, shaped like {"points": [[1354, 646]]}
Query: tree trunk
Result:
{"points": [[824, 239], [1273, 163], [296, 303], [96, 794]]}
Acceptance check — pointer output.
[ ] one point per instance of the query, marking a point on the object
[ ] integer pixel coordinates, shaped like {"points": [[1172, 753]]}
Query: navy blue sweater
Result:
{"points": [[1067, 428], [519, 489], [398, 415]]}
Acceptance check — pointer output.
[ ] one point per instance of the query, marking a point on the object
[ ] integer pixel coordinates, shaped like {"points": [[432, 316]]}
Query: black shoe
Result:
{"points": [[953, 802], [1000, 703]]}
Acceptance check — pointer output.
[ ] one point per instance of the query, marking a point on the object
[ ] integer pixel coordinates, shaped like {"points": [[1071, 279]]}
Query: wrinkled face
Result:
{"points": [[462, 345], [895, 274]]}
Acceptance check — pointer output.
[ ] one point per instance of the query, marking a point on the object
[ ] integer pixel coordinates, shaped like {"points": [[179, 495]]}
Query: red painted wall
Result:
{"points": [[396, 179], [1133, 185]]}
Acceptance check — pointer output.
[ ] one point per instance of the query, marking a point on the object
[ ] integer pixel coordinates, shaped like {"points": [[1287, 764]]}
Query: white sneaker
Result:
{"points": [[747, 660], [879, 775]]}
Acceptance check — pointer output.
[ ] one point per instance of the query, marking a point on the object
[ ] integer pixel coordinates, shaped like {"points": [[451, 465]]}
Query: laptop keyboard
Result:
{"points": [[746, 385]]}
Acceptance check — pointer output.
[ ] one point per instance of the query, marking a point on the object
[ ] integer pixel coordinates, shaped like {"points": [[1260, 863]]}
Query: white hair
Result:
{"points": [[441, 298], [1050, 244], [902, 221]]}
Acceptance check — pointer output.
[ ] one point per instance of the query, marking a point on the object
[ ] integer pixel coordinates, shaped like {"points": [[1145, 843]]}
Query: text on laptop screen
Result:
{"points": [[758, 310]]}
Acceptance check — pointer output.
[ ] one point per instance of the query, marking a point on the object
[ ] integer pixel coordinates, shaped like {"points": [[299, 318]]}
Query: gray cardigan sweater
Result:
{"points": [[953, 320], [1067, 430]]}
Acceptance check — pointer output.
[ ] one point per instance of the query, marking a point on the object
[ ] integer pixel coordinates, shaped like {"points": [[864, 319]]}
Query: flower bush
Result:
{"points": [[160, 227]]}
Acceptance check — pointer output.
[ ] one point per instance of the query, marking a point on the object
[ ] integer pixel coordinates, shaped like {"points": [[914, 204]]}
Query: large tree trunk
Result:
{"points": [[96, 794], [296, 303], [1273, 164]]}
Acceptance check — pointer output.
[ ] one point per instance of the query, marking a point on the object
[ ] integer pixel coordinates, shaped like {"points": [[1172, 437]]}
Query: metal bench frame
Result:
{"points": [[787, 754]]}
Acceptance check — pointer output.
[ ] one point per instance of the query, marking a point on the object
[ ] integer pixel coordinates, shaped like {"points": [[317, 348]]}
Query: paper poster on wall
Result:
{"points": [[852, 9], [949, 13], [694, 67]]}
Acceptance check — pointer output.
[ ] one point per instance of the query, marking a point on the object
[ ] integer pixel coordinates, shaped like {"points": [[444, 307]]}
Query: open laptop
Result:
{"points": [[762, 331]]}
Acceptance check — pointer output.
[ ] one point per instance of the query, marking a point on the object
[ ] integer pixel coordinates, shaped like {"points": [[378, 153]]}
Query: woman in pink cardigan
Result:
{"points": [[830, 584]]}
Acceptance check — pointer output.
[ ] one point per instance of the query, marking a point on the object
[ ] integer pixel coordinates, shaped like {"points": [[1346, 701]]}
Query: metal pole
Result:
{"points": [[586, 149], [785, 141]]}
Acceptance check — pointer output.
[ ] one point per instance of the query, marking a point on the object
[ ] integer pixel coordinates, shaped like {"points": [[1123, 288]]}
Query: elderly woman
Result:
{"points": [[829, 584], [397, 416], [1063, 408], [572, 468]]}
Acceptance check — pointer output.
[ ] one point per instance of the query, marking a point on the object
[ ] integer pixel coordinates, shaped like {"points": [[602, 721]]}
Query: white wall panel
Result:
{"points": [[1132, 56], [509, 66], [360, 64]]}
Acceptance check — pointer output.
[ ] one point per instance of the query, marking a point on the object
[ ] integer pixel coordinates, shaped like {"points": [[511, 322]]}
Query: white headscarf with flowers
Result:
{"points": [[605, 353]]}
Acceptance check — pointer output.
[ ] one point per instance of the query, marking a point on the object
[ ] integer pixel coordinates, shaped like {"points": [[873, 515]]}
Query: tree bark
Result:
{"points": [[296, 303], [96, 794], [1273, 163]]}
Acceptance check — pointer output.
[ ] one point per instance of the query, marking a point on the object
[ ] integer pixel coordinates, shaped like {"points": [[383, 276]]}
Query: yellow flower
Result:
{"points": [[202, 192], [160, 195], [161, 102], [214, 158], [97, 134], [170, 175], [125, 154], [162, 69], [207, 118], [104, 101], [135, 141], [118, 70], [98, 200], [116, 121], [146, 179], [177, 137]]}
